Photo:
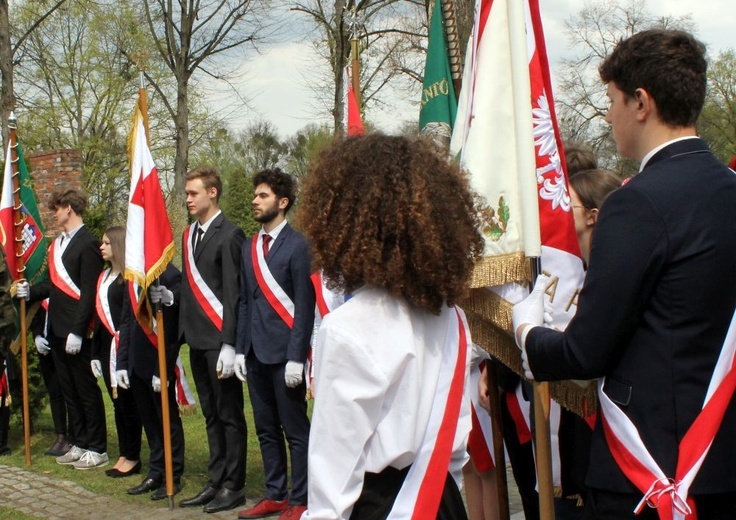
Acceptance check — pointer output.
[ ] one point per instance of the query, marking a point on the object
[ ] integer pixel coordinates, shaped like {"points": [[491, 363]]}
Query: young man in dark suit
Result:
{"points": [[275, 321], [207, 322], [658, 299], [75, 263]]}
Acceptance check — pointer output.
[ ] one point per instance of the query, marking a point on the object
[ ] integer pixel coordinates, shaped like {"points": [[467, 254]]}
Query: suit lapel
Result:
{"points": [[211, 232], [683, 147], [73, 242], [277, 243]]}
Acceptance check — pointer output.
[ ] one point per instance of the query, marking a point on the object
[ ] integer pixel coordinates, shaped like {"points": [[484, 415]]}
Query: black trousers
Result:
{"points": [[83, 397], [127, 418], [149, 406], [381, 489], [280, 412], [222, 406], [607, 505], [56, 400]]}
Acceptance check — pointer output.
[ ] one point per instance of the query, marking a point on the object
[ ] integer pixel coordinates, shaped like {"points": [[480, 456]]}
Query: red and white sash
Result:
{"points": [[421, 492], [480, 441], [59, 275], [669, 495], [275, 295], [519, 409], [202, 293], [184, 395], [102, 305]]}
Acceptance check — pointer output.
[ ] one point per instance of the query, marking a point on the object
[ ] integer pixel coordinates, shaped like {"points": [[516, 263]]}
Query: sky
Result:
{"points": [[275, 81]]}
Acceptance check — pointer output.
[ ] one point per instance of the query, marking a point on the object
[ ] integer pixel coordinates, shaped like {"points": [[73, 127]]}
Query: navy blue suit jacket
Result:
{"points": [[653, 312], [259, 326]]}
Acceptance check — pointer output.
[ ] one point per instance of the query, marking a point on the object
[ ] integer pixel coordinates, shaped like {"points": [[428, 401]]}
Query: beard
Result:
{"points": [[267, 216]]}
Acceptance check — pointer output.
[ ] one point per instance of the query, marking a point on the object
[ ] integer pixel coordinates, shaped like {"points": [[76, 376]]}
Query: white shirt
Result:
{"points": [[375, 385], [67, 237], [274, 233], [651, 153]]}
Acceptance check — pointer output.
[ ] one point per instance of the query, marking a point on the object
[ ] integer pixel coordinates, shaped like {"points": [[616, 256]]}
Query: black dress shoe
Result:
{"points": [[160, 493], [203, 497], [146, 486], [225, 500]]}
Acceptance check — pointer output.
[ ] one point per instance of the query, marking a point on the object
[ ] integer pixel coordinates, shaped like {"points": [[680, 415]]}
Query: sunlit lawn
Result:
{"points": [[195, 474]]}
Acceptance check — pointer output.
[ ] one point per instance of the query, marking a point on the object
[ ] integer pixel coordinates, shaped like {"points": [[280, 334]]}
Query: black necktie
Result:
{"points": [[197, 239]]}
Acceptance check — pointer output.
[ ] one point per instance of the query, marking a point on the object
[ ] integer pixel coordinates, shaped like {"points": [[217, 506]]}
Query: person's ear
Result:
{"points": [[592, 217], [644, 104], [283, 202]]}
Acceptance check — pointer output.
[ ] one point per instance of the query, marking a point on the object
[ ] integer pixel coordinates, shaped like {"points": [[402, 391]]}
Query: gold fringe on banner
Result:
{"points": [[495, 337], [501, 269]]}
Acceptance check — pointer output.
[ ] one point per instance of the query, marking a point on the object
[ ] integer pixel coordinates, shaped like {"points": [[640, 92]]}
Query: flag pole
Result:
{"points": [[355, 63], [542, 433], [20, 268], [454, 57], [162, 369]]}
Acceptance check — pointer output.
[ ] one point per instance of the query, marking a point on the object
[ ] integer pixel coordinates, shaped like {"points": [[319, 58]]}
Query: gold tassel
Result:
{"points": [[500, 269]]}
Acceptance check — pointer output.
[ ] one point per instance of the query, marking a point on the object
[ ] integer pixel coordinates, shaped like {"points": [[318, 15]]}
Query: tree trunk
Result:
{"points": [[181, 123], [7, 96]]}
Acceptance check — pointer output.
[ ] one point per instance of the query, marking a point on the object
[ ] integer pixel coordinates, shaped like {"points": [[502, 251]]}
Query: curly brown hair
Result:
{"points": [[391, 212]]}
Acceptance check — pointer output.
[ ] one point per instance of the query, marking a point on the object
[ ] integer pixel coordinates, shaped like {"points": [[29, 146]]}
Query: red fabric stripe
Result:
{"points": [[430, 492], [56, 278], [198, 295], [522, 430], [319, 294], [478, 447], [100, 310], [144, 324], [267, 292]]}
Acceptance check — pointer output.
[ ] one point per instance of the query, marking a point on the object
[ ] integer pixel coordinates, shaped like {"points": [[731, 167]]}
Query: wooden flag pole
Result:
{"points": [[499, 457], [162, 370], [21, 267], [542, 433]]}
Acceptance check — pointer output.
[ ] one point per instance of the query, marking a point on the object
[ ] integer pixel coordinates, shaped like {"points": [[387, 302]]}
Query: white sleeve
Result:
{"points": [[350, 392]]}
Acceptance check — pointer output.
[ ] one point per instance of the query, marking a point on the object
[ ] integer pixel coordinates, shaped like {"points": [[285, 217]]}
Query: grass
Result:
{"points": [[196, 454]]}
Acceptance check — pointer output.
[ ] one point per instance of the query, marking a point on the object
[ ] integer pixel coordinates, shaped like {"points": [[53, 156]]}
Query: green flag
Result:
{"points": [[439, 104], [35, 244]]}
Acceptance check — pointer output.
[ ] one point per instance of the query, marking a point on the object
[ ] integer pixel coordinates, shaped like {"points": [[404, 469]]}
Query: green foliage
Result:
{"points": [[717, 123], [38, 396], [304, 146]]}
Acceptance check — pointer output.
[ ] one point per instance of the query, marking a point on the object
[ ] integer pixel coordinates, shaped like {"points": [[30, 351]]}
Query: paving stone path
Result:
{"points": [[41, 496]]}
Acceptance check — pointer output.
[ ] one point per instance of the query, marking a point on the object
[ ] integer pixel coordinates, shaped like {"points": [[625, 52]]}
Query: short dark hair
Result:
{"points": [[578, 157], [210, 178], [72, 198], [282, 184], [670, 65], [594, 186]]}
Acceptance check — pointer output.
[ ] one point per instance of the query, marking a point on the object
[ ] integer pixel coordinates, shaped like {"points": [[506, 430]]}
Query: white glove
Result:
{"points": [[240, 370], [529, 312], [122, 377], [293, 374], [156, 384], [96, 365], [22, 290], [73, 344], [42, 345], [226, 362], [159, 293]]}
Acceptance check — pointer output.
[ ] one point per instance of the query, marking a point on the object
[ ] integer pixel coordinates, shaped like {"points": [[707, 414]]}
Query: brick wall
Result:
{"points": [[53, 171]]}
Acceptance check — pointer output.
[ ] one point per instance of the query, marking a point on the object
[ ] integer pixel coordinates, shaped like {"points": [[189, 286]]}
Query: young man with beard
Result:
{"points": [[276, 315], [207, 322]]}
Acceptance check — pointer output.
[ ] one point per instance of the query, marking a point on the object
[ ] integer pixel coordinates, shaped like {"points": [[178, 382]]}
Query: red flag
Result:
{"points": [[732, 164], [149, 242], [353, 122]]}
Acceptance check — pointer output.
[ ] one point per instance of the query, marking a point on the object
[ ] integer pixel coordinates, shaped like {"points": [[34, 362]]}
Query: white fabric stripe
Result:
{"points": [[484, 418], [276, 289], [197, 277], [61, 270], [113, 361], [626, 433], [405, 502], [188, 395]]}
